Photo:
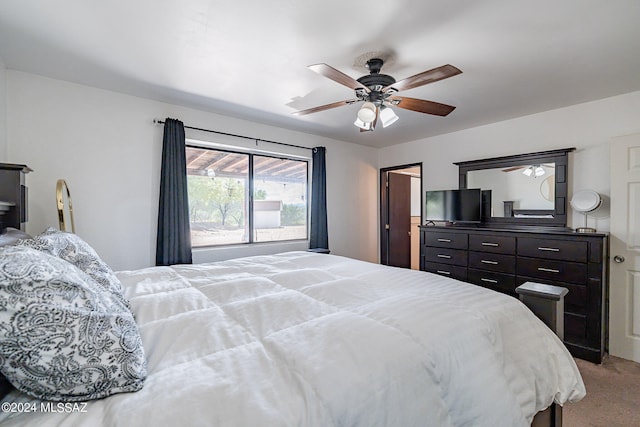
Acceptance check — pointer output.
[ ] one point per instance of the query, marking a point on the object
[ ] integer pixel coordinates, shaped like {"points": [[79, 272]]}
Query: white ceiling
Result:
{"points": [[248, 59]]}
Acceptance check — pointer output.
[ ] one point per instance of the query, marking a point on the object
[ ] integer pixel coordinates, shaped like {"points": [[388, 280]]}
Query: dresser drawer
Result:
{"points": [[445, 256], [489, 243], [446, 240], [500, 282], [492, 262], [553, 249], [453, 271], [552, 270]]}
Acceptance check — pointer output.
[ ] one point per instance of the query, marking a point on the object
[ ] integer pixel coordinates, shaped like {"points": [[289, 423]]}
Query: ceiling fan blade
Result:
{"points": [[512, 169], [430, 76], [325, 107], [422, 106], [337, 76]]}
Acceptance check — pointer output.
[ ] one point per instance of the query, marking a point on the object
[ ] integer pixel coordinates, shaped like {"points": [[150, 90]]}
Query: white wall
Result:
{"points": [[588, 127], [3, 112], [105, 145], [416, 196]]}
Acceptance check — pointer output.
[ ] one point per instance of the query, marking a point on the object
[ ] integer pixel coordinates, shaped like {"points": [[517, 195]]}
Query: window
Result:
{"points": [[245, 198]]}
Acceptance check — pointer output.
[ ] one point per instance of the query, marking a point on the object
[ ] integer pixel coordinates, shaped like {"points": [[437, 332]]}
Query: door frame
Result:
{"points": [[624, 302], [384, 206]]}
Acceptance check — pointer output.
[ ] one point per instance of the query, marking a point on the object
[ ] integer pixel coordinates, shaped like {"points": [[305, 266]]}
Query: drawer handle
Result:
{"points": [[548, 270], [485, 261], [488, 280], [489, 244], [549, 249], [443, 272], [444, 256], [444, 240]]}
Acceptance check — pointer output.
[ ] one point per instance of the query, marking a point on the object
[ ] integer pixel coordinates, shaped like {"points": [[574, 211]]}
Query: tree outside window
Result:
{"points": [[218, 183]]}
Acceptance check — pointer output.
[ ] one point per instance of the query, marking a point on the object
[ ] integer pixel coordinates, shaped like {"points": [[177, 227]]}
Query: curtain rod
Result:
{"points": [[160, 122]]}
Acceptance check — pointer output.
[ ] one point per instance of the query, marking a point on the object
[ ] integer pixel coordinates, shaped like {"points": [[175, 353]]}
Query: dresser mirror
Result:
{"points": [[521, 190], [524, 189]]}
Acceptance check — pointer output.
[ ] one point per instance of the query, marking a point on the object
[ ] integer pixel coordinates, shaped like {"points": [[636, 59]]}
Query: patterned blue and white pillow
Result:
{"points": [[62, 337], [70, 247]]}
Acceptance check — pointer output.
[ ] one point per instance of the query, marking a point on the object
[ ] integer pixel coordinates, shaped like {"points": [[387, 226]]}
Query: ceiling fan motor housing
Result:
{"points": [[376, 81]]}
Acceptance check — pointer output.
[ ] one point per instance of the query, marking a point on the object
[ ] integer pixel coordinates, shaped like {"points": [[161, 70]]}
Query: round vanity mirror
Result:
{"points": [[548, 187], [585, 201]]}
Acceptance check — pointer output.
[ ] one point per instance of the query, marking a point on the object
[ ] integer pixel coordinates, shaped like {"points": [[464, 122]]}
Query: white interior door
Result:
{"points": [[624, 288]]}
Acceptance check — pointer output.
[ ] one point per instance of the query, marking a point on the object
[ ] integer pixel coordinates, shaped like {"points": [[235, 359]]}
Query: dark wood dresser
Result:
{"points": [[502, 259]]}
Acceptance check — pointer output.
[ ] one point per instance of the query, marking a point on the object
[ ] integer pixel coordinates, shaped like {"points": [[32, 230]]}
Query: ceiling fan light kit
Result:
{"points": [[534, 170], [368, 112], [387, 116], [362, 125], [377, 91]]}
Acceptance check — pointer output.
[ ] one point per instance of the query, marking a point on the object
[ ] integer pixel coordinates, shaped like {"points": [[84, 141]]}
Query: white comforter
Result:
{"points": [[303, 339]]}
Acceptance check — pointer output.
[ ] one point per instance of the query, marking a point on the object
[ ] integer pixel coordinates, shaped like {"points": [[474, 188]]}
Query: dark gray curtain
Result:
{"points": [[174, 237], [319, 237]]}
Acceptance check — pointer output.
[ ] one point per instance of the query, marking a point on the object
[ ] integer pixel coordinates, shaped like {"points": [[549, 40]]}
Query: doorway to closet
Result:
{"points": [[400, 215]]}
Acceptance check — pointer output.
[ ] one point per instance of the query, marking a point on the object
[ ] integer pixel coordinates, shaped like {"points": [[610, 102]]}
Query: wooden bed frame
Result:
{"points": [[550, 417], [546, 302]]}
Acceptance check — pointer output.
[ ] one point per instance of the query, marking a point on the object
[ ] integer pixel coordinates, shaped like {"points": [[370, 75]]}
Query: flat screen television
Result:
{"points": [[464, 205]]}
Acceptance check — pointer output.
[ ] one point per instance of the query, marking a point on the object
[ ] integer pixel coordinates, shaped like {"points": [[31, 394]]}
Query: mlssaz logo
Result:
{"points": [[63, 407]]}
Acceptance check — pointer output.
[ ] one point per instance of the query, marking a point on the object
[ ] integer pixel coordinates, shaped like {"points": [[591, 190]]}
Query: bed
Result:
{"points": [[308, 339]]}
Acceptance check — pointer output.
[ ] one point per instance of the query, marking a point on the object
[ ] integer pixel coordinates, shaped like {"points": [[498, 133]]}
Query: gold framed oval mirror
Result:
{"points": [[64, 206], [548, 188]]}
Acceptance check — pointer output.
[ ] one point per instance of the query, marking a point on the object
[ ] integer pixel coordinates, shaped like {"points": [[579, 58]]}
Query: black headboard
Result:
{"points": [[13, 192], [5, 387]]}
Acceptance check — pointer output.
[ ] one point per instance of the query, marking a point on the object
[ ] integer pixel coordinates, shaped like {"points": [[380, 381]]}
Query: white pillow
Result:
{"points": [[62, 337]]}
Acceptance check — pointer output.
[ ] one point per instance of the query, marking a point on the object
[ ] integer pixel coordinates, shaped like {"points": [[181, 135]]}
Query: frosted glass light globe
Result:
{"points": [[367, 113]]}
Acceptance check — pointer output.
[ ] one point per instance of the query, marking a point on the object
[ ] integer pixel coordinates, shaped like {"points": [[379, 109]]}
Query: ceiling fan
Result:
{"points": [[530, 170], [378, 92]]}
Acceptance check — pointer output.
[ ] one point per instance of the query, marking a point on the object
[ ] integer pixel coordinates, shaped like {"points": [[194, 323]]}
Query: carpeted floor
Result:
{"points": [[613, 395]]}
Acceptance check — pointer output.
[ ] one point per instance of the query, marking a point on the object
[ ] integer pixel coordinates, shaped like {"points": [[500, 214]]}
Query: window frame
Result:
{"points": [[250, 220]]}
